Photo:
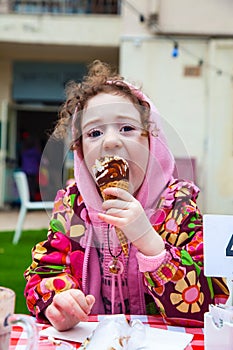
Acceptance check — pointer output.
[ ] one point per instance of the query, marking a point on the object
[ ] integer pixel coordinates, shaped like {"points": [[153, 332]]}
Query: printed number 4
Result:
{"points": [[229, 248]]}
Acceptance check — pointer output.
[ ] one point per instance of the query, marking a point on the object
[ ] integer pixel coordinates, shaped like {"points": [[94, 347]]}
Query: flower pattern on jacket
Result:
{"points": [[177, 288]]}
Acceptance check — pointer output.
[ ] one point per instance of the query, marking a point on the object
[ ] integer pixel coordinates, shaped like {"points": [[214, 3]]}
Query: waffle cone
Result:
{"points": [[123, 241], [124, 184]]}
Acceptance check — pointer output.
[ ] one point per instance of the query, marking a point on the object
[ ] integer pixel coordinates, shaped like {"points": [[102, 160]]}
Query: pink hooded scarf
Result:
{"points": [[159, 172]]}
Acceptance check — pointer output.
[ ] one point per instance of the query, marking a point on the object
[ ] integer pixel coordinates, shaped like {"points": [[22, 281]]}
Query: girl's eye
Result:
{"points": [[127, 128], [94, 133]]}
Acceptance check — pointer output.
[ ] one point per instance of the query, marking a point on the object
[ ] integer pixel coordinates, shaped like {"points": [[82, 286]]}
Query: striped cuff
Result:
{"points": [[150, 263]]}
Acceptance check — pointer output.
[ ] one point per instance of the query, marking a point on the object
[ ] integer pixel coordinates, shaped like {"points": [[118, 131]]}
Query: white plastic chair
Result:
{"points": [[23, 191]]}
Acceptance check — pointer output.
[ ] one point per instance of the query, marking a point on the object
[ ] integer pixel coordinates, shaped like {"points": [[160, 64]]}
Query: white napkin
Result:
{"points": [[134, 336], [78, 333]]}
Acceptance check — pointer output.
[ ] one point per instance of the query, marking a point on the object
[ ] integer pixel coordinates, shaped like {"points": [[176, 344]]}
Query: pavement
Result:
{"points": [[35, 219]]}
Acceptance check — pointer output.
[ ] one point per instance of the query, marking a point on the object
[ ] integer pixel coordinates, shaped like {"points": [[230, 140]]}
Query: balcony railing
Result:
{"points": [[60, 6]]}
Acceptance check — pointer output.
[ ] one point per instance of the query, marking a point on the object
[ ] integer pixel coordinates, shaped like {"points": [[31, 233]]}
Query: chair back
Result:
{"points": [[22, 186]]}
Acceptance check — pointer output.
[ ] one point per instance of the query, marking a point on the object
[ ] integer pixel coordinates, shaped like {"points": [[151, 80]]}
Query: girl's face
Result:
{"points": [[111, 125]]}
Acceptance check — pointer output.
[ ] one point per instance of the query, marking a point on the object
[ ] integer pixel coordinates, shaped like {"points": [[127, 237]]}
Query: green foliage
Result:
{"points": [[14, 259]]}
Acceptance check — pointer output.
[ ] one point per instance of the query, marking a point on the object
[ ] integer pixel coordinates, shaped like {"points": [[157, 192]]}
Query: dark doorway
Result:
{"points": [[37, 126], [37, 123]]}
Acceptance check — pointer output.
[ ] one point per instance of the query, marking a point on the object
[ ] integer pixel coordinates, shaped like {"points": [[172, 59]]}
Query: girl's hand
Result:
{"points": [[68, 308], [126, 213]]}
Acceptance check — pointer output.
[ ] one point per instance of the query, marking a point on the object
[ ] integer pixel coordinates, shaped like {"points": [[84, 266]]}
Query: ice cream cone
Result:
{"points": [[123, 241], [120, 184], [113, 172]]}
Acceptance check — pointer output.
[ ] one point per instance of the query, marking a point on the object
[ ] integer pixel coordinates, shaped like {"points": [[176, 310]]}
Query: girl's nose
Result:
{"points": [[111, 140]]}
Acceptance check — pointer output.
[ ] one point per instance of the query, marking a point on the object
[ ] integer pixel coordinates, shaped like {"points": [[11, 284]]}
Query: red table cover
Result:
{"points": [[18, 336]]}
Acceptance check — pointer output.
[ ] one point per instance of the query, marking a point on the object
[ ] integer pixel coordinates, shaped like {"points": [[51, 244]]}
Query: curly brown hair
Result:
{"points": [[100, 78]]}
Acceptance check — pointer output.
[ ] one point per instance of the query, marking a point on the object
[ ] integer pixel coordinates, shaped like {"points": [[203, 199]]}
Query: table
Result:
{"points": [[18, 337]]}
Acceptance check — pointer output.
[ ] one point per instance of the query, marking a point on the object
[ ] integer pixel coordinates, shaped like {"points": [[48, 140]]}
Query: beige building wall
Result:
{"points": [[197, 110], [6, 75], [209, 17], [95, 30], [219, 165]]}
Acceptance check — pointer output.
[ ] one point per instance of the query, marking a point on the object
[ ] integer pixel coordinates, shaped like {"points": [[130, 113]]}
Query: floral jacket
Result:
{"points": [[176, 288]]}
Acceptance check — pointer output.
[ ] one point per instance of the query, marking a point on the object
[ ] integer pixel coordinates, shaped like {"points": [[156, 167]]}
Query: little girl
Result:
{"points": [[70, 276]]}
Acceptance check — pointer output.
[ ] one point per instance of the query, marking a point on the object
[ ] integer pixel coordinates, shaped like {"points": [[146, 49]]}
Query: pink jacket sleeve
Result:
{"points": [[52, 269]]}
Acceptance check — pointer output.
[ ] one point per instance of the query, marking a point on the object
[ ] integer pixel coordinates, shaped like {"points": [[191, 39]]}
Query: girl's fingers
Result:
{"points": [[53, 313], [76, 312], [90, 300], [113, 220], [116, 203], [119, 193], [119, 213], [80, 299], [68, 308], [74, 300]]}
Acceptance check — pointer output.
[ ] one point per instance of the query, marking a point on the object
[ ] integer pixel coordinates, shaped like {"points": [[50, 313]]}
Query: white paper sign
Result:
{"points": [[218, 245]]}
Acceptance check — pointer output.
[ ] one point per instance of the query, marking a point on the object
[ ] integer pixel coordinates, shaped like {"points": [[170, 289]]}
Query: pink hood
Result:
{"points": [[159, 171]]}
